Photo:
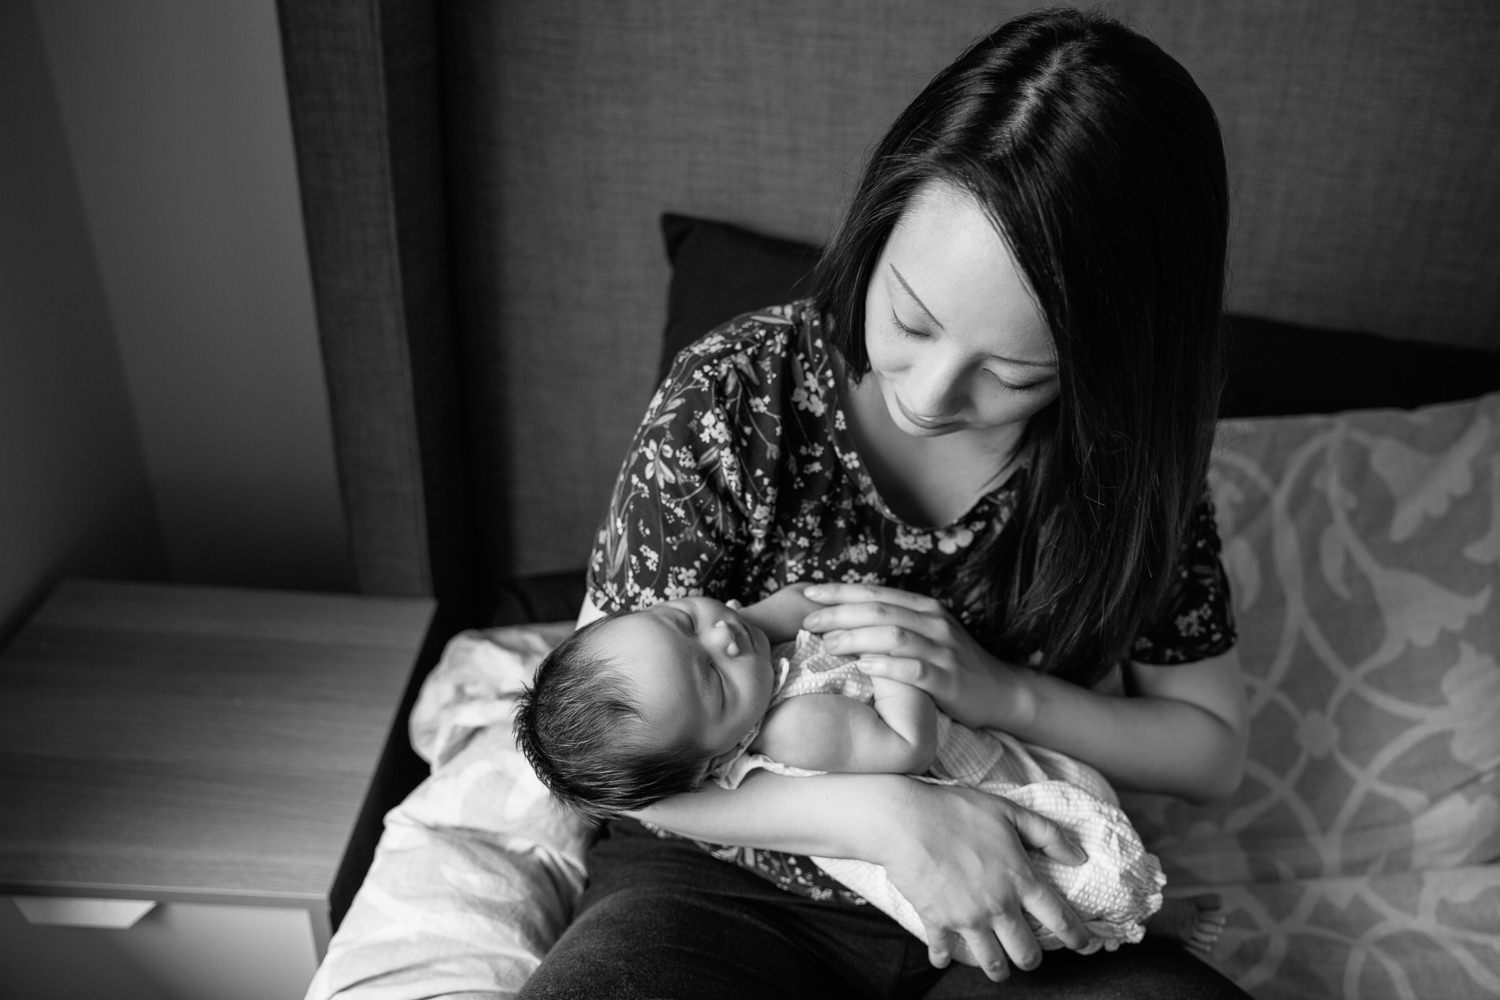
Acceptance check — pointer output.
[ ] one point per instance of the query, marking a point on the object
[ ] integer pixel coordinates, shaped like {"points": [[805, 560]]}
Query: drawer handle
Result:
{"points": [[60, 911]]}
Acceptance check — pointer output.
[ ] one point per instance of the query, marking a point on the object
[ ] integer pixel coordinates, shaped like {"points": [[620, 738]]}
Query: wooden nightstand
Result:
{"points": [[182, 772]]}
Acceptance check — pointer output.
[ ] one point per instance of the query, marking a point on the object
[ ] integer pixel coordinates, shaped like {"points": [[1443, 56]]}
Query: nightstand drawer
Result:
{"points": [[176, 951]]}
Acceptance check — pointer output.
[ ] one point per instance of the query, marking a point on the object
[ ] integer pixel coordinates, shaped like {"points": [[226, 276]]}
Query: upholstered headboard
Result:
{"points": [[483, 184]]}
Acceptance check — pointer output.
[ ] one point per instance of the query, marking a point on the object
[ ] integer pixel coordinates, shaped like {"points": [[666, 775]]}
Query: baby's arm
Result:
{"points": [[780, 615], [830, 732]]}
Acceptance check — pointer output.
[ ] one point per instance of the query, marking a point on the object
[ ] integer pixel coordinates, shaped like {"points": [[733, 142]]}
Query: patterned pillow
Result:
{"points": [[1364, 553]]}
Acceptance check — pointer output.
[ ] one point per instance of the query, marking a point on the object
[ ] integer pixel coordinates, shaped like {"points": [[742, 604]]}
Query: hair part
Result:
{"points": [[581, 727], [1100, 163]]}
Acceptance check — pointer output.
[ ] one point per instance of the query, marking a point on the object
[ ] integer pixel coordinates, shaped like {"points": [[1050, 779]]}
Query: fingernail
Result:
{"points": [[813, 621], [815, 591]]}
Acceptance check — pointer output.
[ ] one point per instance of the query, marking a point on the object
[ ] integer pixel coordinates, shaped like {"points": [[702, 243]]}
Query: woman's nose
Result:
{"points": [[935, 389]]}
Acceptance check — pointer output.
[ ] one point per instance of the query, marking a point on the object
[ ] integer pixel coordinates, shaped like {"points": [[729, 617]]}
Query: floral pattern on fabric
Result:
{"points": [[1200, 624], [743, 478]]}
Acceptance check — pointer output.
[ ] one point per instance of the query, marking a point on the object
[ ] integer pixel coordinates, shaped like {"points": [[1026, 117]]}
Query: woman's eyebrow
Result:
{"points": [[915, 298], [939, 324]]}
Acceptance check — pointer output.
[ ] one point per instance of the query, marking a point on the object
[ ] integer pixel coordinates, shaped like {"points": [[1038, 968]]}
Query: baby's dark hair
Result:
{"points": [[581, 727]]}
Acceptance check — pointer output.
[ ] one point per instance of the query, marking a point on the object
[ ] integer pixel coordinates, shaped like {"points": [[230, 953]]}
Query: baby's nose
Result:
{"points": [[731, 644]]}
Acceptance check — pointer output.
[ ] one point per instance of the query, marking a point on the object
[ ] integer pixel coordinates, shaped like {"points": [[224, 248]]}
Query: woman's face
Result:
{"points": [[955, 340]]}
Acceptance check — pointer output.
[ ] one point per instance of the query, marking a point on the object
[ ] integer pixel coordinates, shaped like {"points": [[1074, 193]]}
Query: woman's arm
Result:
{"points": [[1183, 735], [832, 732], [958, 855]]}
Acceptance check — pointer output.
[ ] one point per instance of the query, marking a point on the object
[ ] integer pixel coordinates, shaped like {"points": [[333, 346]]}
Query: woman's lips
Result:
{"points": [[926, 423]]}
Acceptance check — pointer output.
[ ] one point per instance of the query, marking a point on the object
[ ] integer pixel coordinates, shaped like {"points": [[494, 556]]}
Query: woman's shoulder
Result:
{"points": [[1196, 619], [759, 345]]}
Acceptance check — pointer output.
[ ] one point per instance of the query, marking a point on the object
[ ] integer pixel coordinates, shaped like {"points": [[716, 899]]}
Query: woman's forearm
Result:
{"points": [[832, 815], [1185, 737]]}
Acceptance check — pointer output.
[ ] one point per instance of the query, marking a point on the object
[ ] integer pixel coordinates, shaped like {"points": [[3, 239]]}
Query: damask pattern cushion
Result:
{"points": [[1364, 554]]}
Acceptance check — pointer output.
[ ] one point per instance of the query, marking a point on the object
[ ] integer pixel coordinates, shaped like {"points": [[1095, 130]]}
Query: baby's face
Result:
{"points": [[703, 674]]}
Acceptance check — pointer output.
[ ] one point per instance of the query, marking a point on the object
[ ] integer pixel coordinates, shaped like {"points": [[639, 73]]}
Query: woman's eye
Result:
{"points": [[907, 331], [1013, 386]]}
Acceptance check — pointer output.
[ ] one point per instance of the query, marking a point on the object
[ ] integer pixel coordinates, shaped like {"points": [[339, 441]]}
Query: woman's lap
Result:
{"points": [[663, 919], [1159, 970]]}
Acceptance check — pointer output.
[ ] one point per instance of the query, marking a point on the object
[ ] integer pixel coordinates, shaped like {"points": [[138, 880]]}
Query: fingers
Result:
{"points": [[939, 947], [906, 669], [864, 619], [1041, 901], [1053, 912], [1018, 942], [1041, 834], [869, 614], [994, 950], [988, 956], [880, 640], [979, 948], [870, 593]]}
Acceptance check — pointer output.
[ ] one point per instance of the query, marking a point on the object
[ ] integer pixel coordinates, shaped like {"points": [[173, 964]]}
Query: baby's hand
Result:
{"points": [[781, 614]]}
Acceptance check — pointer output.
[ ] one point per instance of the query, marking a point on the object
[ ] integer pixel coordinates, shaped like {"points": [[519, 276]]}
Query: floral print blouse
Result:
{"points": [[743, 478]]}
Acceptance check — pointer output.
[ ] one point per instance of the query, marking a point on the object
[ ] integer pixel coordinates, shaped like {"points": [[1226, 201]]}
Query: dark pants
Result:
{"points": [[661, 918]]}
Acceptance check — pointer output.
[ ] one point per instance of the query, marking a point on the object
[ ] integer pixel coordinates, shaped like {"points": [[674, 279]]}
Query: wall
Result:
{"points": [[164, 412], [1363, 141], [74, 496]]}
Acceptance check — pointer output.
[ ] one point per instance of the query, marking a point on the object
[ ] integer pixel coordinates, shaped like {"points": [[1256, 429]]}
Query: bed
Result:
{"points": [[517, 212]]}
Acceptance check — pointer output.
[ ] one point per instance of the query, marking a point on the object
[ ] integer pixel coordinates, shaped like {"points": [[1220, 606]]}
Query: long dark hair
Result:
{"points": [[1101, 164]]}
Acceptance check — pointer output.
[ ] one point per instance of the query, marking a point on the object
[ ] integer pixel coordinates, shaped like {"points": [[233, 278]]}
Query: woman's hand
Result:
{"points": [[911, 638], [959, 857]]}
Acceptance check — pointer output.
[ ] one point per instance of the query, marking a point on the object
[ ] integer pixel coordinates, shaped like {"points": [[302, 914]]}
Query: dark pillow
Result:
{"points": [[720, 270], [1278, 369]]}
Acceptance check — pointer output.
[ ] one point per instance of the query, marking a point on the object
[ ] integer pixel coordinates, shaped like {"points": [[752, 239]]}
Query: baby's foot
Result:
{"points": [[1196, 922]]}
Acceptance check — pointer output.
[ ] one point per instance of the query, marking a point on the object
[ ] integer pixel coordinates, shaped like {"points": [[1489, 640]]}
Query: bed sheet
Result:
{"points": [[478, 869]]}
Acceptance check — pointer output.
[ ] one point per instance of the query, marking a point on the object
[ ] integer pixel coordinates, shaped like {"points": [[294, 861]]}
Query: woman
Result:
{"points": [[1002, 393]]}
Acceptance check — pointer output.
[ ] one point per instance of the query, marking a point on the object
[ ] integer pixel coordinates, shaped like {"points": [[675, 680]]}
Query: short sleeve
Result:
{"points": [[677, 520], [1197, 620]]}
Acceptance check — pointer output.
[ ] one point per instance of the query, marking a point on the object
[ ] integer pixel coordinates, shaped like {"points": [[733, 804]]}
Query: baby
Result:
{"points": [[640, 706]]}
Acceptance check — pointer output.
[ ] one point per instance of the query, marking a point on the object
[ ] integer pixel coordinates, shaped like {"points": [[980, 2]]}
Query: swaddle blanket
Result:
{"points": [[1113, 892]]}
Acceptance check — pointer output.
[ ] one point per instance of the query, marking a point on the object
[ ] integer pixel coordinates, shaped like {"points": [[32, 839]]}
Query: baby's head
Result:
{"points": [[639, 706]]}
